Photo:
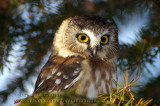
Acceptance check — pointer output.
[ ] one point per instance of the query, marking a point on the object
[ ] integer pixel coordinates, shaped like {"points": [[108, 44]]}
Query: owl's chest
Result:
{"points": [[95, 78]]}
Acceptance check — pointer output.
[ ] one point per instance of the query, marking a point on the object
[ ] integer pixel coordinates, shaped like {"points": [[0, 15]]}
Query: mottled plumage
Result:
{"points": [[84, 53]]}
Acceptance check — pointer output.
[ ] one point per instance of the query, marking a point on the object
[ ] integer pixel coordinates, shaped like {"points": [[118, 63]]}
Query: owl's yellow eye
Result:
{"points": [[83, 38], [104, 39]]}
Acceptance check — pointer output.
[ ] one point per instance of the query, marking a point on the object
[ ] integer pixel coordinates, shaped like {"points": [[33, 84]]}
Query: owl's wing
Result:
{"points": [[58, 74]]}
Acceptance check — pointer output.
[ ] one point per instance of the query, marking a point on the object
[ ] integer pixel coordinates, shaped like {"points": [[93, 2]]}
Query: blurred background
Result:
{"points": [[27, 30]]}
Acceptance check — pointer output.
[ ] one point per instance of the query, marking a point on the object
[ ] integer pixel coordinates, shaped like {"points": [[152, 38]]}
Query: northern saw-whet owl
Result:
{"points": [[84, 56]]}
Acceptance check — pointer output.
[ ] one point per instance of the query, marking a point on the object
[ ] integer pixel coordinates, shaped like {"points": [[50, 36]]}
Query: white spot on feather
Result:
{"points": [[59, 73], [53, 71], [49, 76], [40, 83], [58, 81], [76, 71], [50, 91], [73, 82], [65, 77]]}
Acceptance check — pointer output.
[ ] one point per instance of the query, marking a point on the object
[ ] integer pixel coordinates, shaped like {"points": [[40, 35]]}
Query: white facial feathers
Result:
{"points": [[94, 39]]}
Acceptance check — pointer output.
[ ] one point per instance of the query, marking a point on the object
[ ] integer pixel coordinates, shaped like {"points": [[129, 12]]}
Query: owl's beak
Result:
{"points": [[94, 45], [94, 52]]}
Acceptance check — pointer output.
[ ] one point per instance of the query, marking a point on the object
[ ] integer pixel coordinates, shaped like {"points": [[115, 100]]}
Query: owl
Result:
{"points": [[84, 56]]}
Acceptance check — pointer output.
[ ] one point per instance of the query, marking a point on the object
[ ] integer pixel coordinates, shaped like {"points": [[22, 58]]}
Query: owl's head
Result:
{"points": [[90, 37]]}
